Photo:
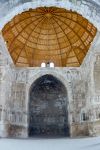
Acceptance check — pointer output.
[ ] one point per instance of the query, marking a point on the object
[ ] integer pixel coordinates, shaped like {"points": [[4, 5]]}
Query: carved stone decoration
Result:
{"points": [[66, 104]]}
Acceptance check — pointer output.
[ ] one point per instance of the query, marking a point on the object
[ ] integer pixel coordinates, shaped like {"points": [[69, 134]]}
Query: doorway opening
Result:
{"points": [[48, 114]]}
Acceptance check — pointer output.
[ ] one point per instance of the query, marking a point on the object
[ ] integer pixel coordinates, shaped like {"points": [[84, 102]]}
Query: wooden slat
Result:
{"points": [[48, 34]]}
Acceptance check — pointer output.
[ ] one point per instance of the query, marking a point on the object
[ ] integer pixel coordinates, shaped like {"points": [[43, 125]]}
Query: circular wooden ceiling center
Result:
{"points": [[48, 15], [48, 34]]}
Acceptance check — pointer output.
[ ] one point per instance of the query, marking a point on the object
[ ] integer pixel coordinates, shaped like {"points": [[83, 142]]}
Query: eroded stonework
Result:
{"points": [[82, 85]]}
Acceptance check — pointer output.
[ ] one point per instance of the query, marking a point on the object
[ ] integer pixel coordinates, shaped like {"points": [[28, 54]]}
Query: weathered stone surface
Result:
{"points": [[82, 85]]}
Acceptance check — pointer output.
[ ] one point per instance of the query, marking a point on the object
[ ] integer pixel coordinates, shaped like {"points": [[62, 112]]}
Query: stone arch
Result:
{"points": [[52, 118], [61, 76]]}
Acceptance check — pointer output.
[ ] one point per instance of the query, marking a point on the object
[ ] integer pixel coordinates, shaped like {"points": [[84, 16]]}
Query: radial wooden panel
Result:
{"points": [[48, 34]]}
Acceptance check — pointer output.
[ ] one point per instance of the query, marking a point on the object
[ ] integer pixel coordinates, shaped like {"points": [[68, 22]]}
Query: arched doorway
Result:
{"points": [[48, 115]]}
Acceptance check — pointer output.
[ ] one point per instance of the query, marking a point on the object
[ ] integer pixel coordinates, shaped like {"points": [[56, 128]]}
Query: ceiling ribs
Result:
{"points": [[48, 34]]}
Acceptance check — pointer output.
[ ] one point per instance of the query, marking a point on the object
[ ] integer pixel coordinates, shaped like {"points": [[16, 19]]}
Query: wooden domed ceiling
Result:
{"points": [[48, 34]]}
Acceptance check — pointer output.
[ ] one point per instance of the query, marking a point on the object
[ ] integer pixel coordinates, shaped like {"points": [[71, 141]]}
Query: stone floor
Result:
{"points": [[51, 144]]}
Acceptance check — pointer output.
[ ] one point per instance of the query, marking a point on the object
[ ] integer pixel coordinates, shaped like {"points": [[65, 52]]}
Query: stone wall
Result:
{"points": [[17, 98], [82, 85], [83, 108]]}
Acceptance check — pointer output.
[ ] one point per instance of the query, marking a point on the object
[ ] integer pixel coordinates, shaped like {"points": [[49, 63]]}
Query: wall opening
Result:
{"points": [[43, 64], [48, 114]]}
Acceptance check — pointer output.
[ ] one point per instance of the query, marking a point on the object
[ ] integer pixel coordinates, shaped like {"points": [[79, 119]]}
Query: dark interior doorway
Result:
{"points": [[48, 114]]}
